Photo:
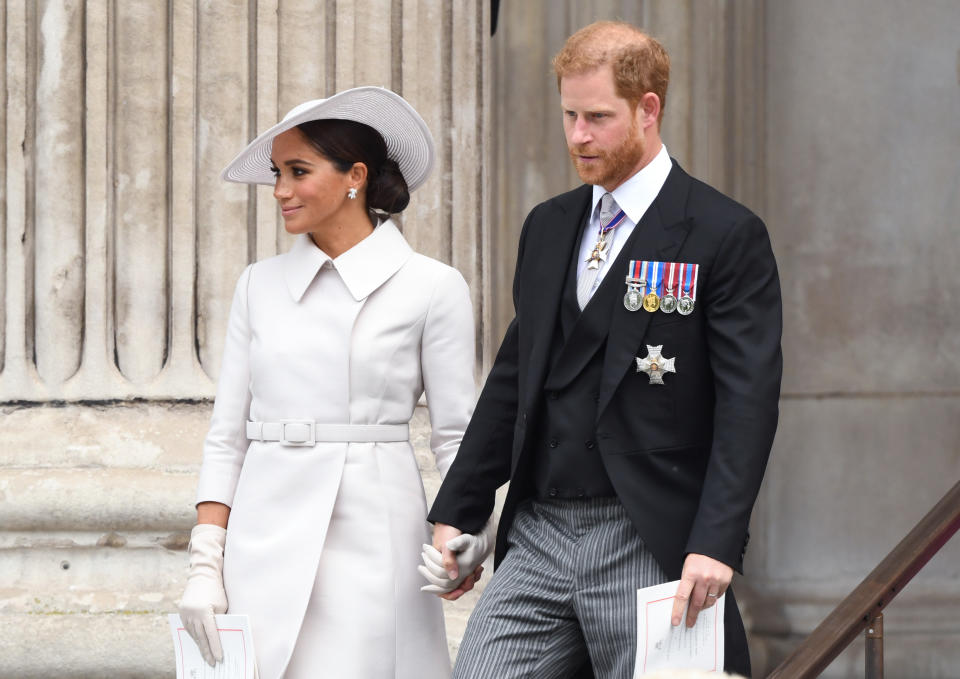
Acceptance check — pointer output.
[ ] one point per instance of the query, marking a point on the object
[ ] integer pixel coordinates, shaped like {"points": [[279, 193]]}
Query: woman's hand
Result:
{"points": [[204, 596]]}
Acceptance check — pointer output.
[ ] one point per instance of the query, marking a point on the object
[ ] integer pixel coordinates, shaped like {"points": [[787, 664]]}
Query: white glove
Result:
{"points": [[204, 595], [471, 550]]}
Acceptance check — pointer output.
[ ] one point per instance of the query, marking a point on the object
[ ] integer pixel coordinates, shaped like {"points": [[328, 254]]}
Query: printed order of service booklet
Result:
{"points": [[660, 645], [237, 641]]}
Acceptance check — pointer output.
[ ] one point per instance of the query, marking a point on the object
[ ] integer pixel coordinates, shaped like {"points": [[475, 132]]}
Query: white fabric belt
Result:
{"points": [[308, 432]]}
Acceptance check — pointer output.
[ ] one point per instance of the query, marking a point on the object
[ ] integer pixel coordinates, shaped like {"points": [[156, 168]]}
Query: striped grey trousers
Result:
{"points": [[566, 592]]}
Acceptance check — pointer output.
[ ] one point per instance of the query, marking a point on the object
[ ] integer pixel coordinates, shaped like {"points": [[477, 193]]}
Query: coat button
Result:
{"points": [[581, 493], [552, 492], [554, 443], [553, 396], [590, 445]]}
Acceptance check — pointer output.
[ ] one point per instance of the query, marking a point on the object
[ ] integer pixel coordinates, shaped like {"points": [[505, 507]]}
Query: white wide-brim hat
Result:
{"points": [[408, 138]]}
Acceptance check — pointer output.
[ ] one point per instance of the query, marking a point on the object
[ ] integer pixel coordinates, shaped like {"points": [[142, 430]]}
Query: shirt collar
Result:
{"points": [[364, 267], [636, 194]]}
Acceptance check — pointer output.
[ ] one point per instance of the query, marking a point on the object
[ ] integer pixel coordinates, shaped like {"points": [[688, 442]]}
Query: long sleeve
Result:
{"points": [[744, 324], [226, 443], [466, 498], [447, 360]]}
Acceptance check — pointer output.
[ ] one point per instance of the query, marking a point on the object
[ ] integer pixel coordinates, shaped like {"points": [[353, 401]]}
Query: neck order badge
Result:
{"points": [[609, 220]]}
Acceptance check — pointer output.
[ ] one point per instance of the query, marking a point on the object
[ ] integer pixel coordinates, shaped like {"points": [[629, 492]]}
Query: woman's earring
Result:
{"points": [[352, 193]]}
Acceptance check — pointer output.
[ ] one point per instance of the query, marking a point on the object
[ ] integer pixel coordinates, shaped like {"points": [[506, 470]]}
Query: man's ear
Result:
{"points": [[648, 110]]}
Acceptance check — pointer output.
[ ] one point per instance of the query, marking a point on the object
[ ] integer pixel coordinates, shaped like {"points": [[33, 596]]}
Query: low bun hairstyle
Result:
{"points": [[345, 142], [388, 189]]}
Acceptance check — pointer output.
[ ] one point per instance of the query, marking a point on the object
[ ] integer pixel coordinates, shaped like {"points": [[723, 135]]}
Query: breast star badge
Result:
{"points": [[655, 365]]}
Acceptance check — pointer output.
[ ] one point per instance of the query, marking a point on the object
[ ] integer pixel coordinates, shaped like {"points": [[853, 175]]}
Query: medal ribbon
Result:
{"points": [[681, 278], [657, 281], [672, 280], [613, 223], [689, 273]]}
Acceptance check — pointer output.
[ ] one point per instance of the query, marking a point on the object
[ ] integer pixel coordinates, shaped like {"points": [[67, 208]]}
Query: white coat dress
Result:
{"points": [[323, 542]]}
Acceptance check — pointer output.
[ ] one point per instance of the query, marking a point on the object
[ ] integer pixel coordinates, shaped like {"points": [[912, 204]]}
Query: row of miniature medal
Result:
{"points": [[667, 286]]}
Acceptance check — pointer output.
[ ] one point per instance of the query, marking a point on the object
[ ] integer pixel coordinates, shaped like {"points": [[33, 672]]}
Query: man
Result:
{"points": [[633, 402]]}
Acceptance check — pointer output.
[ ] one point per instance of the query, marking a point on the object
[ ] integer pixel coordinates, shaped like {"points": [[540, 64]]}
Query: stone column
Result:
{"points": [[119, 251]]}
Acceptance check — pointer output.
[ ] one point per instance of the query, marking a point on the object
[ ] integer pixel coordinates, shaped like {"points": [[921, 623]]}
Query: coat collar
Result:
{"points": [[364, 267], [636, 194]]}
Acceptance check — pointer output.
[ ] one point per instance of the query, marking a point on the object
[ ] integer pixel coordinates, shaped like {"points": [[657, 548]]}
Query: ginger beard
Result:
{"points": [[610, 168]]}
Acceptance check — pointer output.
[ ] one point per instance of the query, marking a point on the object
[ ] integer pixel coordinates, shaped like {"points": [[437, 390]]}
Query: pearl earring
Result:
{"points": [[352, 193]]}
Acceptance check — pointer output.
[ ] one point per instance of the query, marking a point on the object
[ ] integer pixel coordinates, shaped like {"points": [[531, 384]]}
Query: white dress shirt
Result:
{"points": [[634, 197]]}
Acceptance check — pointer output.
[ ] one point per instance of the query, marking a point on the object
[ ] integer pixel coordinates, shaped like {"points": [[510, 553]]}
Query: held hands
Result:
{"points": [[702, 582], [452, 564], [204, 595]]}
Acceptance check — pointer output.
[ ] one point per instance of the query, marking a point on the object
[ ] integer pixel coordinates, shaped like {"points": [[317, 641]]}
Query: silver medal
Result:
{"points": [[633, 300], [685, 306], [668, 303]]}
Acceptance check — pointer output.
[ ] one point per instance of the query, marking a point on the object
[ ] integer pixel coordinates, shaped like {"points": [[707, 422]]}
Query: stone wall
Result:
{"points": [[838, 123], [862, 168], [119, 250]]}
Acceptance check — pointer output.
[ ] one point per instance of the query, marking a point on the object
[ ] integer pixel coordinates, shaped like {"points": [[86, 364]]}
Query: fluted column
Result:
{"points": [[122, 244], [119, 250]]}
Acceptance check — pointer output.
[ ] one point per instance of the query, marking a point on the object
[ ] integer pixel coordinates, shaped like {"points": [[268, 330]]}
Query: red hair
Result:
{"points": [[640, 63]]}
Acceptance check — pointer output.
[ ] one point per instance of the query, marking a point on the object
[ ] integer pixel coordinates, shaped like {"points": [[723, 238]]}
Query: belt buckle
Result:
{"points": [[297, 439]]}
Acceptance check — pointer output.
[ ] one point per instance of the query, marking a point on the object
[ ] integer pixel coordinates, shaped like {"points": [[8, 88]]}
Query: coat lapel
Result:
{"points": [[544, 275], [664, 230], [593, 323]]}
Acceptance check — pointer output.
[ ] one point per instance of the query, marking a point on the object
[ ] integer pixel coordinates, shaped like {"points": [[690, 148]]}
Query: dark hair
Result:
{"points": [[345, 142]]}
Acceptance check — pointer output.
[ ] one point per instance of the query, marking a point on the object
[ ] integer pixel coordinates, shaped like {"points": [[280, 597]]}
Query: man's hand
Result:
{"points": [[442, 534], [703, 581], [441, 583], [465, 586], [454, 564]]}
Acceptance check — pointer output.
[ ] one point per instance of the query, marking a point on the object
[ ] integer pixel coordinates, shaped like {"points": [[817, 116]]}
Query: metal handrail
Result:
{"points": [[861, 610]]}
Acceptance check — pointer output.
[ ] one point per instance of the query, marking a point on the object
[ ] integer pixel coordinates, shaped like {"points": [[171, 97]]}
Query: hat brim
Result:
{"points": [[408, 138]]}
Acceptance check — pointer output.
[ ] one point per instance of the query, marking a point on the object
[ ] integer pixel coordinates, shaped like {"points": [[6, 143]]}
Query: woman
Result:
{"points": [[328, 349]]}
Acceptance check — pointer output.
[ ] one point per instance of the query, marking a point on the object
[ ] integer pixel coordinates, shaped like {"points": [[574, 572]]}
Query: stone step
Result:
{"points": [[71, 646], [96, 499]]}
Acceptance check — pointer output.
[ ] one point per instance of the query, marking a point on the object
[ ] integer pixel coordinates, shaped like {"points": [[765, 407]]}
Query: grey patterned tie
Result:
{"points": [[608, 209]]}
